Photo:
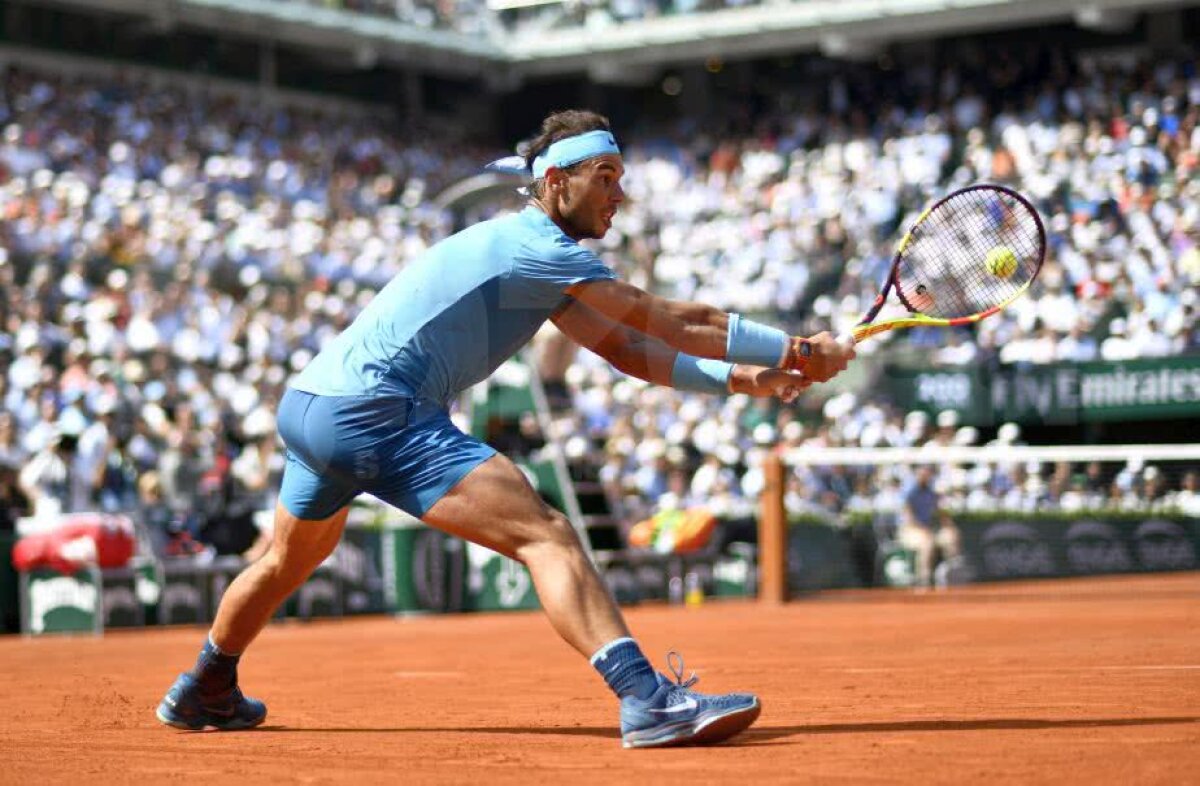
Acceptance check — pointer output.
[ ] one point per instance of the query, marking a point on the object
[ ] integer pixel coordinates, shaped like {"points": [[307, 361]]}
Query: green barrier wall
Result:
{"points": [[1040, 545], [56, 603], [427, 571], [998, 546], [423, 570], [10, 619], [496, 583], [820, 556], [359, 561]]}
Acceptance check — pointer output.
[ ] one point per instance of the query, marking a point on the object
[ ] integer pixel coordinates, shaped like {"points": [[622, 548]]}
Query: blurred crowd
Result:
{"points": [[654, 450], [1020, 487], [169, 259], [479, 17], [471, 17], [1110, 155]]}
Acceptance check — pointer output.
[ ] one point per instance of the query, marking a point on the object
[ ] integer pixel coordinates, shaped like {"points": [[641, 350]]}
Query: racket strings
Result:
{"points": [[943, 271]]}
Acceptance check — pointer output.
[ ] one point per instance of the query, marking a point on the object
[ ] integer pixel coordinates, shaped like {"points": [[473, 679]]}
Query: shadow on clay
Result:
{"points": [[764, 734], [975, 724]]}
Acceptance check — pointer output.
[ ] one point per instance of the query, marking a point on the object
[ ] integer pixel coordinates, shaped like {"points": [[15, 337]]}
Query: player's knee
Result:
{"points": [[554, 534], [561, 533], [285, 567]]}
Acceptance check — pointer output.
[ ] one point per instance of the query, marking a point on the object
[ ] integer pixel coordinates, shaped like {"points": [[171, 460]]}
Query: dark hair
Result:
{"points": [[560, 125]]}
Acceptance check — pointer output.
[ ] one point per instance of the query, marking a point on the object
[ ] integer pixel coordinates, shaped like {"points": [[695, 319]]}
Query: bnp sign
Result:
{"points": [[1058, 393]]}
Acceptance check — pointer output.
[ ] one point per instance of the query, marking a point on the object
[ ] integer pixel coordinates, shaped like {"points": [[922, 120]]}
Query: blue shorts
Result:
{"points": [[402, 450]]}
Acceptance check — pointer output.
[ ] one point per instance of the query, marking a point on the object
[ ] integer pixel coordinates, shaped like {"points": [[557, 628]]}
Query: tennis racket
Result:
{"points": [[967, 256]]}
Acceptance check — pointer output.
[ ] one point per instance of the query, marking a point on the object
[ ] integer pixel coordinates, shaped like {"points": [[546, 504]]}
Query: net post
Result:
{"points": [[772, 533]]}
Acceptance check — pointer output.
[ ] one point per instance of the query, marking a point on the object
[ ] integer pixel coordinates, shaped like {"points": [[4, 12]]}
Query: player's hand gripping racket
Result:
{"points": [[966, 257]]}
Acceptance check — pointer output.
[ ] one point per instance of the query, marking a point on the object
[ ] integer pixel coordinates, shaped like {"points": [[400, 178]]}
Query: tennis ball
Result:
{"points": [[1001, 261]]}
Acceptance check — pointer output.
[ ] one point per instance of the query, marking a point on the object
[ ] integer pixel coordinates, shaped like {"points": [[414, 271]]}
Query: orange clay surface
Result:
{"points": [[1083, 681]]}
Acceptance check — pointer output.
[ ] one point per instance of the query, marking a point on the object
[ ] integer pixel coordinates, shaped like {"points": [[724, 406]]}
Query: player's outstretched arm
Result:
{"points": [[707, 332], [694, 328], [645, 357]]}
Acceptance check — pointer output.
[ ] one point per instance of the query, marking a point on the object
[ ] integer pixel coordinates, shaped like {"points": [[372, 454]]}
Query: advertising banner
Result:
{"points": [[1009, 547], [423, 570], [53, 602], [1056, 394], [497, 583]]}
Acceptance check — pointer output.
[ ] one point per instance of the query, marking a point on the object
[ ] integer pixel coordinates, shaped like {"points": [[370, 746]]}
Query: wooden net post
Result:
{"points": [[772, 534]]}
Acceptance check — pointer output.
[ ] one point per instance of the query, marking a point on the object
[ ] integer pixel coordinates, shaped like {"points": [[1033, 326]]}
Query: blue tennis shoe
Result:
{"points": [[184, 707], [675, 715]]}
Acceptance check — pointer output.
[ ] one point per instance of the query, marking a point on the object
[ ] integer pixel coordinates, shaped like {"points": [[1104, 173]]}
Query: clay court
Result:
{"points": [[1082, 681]]}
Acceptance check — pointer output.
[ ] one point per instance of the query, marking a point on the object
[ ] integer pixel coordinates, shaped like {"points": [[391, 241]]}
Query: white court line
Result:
{"points": [[1147, 668], [1030, 668]]}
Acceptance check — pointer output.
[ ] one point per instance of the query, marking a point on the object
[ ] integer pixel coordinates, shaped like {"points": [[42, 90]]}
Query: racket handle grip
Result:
{"points": [[846, 339]]}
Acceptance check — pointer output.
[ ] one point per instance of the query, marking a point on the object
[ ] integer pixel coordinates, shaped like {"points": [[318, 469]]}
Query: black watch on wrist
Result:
{"points": [[804, 352]]}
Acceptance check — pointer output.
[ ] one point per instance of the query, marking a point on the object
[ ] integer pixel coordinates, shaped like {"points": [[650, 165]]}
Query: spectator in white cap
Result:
{"points": [[1008, 434], [947, 422], [1118, 346]]}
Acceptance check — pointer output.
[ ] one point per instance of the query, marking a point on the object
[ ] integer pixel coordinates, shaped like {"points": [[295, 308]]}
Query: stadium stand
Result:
{"points": [[478, 17], [168, 261], [1109, 151], [170, 258]]}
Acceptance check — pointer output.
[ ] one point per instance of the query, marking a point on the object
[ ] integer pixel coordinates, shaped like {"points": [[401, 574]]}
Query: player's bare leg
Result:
{"points": [[495, 506], [209, 696], [298, 548]]}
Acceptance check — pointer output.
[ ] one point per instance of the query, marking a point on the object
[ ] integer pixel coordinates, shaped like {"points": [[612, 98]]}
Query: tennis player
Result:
{"points": [[370, 414]]}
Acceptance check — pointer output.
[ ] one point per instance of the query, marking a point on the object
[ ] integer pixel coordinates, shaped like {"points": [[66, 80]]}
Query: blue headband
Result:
{"points": [[561, 154]]}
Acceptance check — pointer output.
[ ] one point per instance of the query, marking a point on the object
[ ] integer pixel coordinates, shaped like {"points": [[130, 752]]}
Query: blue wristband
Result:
{"points": [[755, 344], [700, 374]]}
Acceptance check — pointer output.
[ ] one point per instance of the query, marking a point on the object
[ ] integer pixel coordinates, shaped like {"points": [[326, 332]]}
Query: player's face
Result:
{"points": [[590, 197]]}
